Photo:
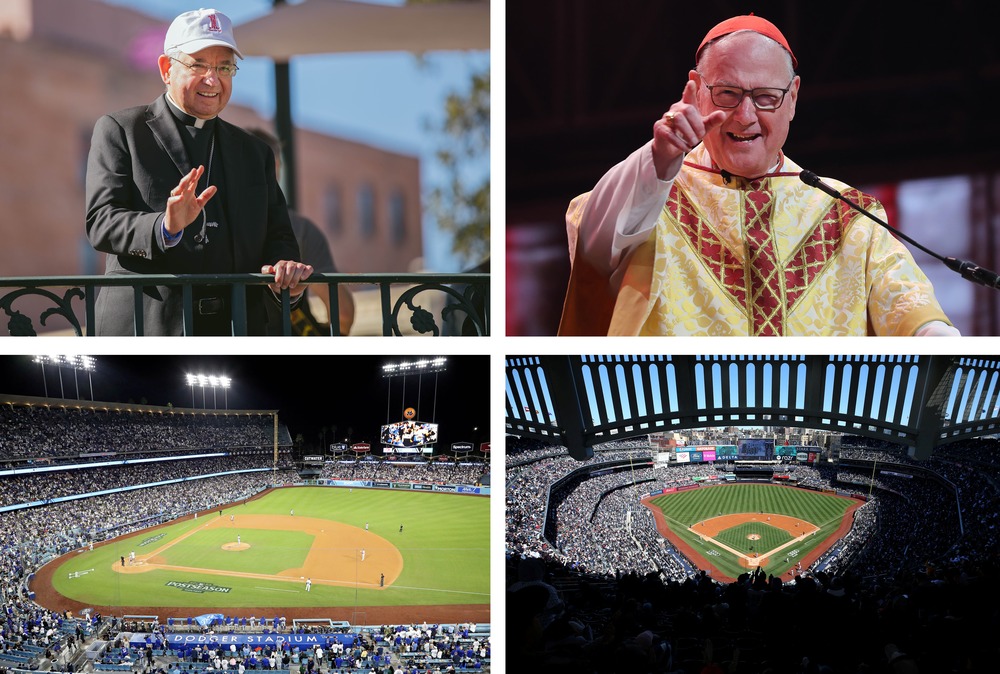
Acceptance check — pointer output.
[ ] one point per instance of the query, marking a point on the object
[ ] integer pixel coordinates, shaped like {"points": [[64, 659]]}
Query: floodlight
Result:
{"points": [[208, 381], [423, 366], [68, 362]]}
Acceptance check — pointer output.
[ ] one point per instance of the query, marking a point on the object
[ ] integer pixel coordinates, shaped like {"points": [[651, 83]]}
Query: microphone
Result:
{"points": [[969, 270], [811, 179]]}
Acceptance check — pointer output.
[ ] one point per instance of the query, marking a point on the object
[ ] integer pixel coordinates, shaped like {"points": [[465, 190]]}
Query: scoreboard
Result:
{"points": [[756, 448]]}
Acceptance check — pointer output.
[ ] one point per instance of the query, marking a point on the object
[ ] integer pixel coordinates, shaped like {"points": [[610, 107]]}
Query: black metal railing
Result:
{"points": [[459, 303]]}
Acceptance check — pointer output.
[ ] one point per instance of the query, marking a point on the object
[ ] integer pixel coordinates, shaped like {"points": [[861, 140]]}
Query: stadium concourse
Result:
{"points": [[46, 514], [593, 587]]}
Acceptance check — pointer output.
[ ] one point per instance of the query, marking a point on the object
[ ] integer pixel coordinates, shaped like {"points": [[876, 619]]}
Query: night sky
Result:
{"points": [[309, 391]]}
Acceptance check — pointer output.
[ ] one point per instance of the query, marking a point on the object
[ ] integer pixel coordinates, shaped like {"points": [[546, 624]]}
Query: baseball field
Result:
{"points": [[733, 528], [347, 554]]}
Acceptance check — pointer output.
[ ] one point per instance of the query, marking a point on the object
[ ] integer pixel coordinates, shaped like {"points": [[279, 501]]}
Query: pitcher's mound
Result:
{"points": [[236, 546]]}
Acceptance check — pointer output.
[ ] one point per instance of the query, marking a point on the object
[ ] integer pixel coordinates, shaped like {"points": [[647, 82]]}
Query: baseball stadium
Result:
{"points": [[691, 514], [147, 537]]}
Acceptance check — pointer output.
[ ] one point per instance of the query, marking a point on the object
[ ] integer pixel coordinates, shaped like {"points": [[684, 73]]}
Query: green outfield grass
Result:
{"points": [[444, 548], [685, 509]]}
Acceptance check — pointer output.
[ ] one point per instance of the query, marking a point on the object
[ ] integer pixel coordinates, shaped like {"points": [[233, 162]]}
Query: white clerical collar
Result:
{"points": [[196, 123]]}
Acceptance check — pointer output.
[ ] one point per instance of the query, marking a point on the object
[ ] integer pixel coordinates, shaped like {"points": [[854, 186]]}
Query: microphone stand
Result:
{"points": [[969, 270]]}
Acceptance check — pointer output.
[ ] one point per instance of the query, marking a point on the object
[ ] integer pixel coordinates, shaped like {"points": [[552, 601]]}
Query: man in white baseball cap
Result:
{"points": [[174, 189], [193, 31]]}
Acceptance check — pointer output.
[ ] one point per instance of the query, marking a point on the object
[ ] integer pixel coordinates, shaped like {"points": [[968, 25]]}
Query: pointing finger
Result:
{"points": [[688, 96]]}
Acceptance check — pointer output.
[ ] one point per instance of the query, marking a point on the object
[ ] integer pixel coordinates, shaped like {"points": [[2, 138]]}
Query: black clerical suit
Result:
{"points": [[137, 157]]}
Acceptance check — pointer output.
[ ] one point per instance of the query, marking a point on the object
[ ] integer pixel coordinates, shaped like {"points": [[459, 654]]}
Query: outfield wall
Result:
{"points": [[405, 486], [714, 481]]}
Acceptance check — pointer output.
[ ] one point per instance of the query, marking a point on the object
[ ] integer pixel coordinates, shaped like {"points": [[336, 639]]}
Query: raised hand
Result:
{"points": [[681, 128], [183, 206]]}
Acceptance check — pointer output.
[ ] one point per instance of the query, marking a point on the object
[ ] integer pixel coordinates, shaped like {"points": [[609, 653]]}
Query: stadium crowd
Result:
{"points": [[911, 588], [463, 647], [15, 489], [419, 470], [34, 433]]}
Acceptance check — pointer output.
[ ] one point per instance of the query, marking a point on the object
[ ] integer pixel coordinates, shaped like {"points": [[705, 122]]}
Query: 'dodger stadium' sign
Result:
{"points": [[180, 641]]}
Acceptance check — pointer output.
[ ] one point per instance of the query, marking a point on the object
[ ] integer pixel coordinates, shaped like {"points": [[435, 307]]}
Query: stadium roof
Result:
{"points": [[918, 400]]}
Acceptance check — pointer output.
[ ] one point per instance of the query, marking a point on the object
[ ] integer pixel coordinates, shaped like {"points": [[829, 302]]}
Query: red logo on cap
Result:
{"points": [[213, 24]]}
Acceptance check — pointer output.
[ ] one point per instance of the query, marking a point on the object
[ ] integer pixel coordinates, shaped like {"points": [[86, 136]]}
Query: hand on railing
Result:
{"points": [[287, 274], [430, 303]]}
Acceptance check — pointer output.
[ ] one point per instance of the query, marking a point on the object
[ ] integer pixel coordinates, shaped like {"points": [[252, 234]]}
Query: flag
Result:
{"points": [[207, 619]]}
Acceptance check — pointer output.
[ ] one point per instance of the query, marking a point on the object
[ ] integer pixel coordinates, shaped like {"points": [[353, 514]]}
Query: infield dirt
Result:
{"points": [[332, 559]]}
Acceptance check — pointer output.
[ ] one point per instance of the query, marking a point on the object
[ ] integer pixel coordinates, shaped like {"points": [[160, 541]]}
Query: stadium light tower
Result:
{"points": [[212, 381], [75, 363], [424, 366]]}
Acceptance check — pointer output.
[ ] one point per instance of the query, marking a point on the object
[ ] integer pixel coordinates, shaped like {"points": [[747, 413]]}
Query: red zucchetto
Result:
{"points": [[747, 22]]}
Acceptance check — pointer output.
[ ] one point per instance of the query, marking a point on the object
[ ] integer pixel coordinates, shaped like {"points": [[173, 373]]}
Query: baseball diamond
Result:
{"points": [[253, 558], [727, 529]]}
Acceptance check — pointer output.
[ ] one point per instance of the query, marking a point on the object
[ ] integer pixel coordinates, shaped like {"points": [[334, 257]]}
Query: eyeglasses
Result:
{"points": [[764, 98], [202, 69]]}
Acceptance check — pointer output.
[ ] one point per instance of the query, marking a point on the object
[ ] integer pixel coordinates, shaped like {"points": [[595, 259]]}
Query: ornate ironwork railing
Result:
{"points": [[459, 304]]}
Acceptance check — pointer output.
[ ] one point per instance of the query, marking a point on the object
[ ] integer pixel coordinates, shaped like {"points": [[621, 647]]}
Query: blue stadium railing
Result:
{"points": [[28, 303]]}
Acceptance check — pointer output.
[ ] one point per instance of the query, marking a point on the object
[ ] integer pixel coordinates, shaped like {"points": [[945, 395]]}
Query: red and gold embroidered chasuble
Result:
{"points": [[772, 257]]}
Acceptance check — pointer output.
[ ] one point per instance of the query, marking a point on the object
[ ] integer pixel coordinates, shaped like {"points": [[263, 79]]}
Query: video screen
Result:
{"points": [[756, 448], [412, 436]]}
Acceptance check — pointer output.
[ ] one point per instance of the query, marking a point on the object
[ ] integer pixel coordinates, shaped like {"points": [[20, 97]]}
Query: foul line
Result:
{"points": [[275, 589], [434, 589]]}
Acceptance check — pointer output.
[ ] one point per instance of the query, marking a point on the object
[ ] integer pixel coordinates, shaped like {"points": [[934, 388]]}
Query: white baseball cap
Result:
{"points": [[193, 31]]}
